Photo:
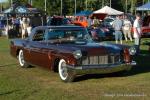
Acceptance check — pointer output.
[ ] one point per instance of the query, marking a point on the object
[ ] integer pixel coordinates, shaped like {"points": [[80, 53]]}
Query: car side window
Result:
{"points": [[54, 35], [39, 35]]}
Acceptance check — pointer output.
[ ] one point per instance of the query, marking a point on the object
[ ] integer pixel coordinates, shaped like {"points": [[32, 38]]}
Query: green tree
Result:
{"points": [[54, 6]]}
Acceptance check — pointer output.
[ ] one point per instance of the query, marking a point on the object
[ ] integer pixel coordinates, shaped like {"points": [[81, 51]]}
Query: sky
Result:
{"points": [[1, 1]]}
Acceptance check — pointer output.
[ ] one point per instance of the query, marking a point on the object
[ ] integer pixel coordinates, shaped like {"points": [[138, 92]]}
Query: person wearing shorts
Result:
{"points": [[127, 28], [117, 25]]}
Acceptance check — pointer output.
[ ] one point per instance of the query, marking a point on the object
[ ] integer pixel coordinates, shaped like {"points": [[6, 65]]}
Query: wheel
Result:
{"points": [[21, 60], [65, 74]]}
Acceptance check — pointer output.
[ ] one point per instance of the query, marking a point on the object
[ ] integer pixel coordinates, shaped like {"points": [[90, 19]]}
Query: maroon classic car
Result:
{"points": [[70, 51]]}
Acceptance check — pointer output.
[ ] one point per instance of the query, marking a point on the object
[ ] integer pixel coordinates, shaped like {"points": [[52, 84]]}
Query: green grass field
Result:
{"points": [[35, 83]]}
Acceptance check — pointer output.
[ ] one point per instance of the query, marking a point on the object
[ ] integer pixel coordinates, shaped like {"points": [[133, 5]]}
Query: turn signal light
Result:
{"points": [[127, 57]]}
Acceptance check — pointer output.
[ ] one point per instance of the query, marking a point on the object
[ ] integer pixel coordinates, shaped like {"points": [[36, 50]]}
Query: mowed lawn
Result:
{"points": [[35, 83]]}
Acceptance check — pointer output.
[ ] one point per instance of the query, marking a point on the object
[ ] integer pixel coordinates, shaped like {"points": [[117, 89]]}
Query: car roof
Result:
{"points": [[60, 27], [63, 27]]}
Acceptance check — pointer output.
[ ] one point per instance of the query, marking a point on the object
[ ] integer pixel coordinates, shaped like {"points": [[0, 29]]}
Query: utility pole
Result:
{"points": [[142, 11], [45, 5], [75, 10], [132, 6], [110, 3], [126, 6], [31, 2], [61, 8], [102, 3], [143, 2], [1, 7], [86, 4], [11, 2]]}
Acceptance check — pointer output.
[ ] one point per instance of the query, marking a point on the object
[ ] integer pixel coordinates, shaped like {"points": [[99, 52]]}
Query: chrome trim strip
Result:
{"points": [[101, 69]]}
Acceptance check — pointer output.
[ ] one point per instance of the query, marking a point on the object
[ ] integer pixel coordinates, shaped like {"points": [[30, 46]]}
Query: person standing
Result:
{"points": [[23, 27], [137, 26], [94, 33], [117, 25], [25, 23], [29, 29], [89, 21], [96, 22], [127, 28]]}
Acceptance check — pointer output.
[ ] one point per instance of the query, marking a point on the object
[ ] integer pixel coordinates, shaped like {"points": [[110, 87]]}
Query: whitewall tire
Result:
{"points": [[65, 74], [21, 59]]}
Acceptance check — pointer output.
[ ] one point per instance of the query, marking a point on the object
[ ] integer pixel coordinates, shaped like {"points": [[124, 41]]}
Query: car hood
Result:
{"points": [[93, 48]]}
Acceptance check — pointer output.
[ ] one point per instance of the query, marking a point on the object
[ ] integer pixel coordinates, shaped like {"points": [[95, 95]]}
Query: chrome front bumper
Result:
{"points": [[101, 69]]}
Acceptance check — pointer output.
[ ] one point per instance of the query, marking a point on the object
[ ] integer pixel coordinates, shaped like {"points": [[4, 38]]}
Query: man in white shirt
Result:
{"points": [[137, 26], [24, 25]]}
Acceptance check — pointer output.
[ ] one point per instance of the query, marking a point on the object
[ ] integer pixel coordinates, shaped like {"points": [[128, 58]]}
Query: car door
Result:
{"points": [[39, 51]]}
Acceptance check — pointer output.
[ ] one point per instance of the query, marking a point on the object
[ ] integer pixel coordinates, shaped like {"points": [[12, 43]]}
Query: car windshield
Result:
{"points": [[109, 20], [68, 36]]}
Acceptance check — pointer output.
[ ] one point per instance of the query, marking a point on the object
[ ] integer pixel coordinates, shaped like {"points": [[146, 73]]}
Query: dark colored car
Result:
{"points": [[146, 26], [70, 51], [96, 33], [108, 22], [101, 33], [58, 20], [2, 25]]}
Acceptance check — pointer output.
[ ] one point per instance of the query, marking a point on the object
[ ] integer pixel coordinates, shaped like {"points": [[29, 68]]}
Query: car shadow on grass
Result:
{"points": [[9, 92], [4, 65], [143, 66]]}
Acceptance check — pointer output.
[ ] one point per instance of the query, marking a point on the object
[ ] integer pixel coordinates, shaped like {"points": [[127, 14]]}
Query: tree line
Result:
{"points": [[68, 6]]}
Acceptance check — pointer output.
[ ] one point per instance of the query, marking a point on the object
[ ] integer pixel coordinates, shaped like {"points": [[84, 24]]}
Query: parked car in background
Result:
{"points": [[108, 22], [7, 28], [109, 33], [3, 22], [58, 20], [70, 51], [101, 33], [96, 33], [146, 26], [104, 31], [81, 21]]}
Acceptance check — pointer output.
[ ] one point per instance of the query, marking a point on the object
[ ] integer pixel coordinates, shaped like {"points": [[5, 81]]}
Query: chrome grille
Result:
{"points": [[104, 59]]}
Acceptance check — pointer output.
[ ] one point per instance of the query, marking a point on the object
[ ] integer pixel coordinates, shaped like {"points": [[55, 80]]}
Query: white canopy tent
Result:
{"points": [[108, 10], [3, 1]]}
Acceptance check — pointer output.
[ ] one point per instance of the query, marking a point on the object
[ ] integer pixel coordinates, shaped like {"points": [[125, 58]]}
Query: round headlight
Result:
{"points": [[77, 54], [132, 50]]}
